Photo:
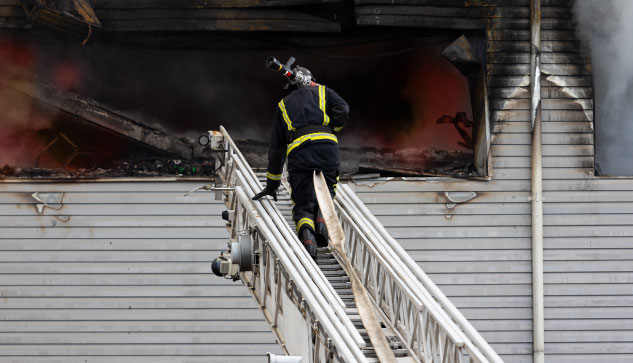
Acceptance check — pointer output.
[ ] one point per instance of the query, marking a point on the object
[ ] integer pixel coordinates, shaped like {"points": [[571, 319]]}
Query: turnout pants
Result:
{"points": [[323, 156]]}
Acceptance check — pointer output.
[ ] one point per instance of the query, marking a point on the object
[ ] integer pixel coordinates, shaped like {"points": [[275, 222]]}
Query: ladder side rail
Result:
{"points": [[293, 248], [395, 305], [412, 286], [410, 306], [238, 161], [438, 314], [321, 309], [412, 268], [292, 243], [267, 290], [234, 164], [300, 301], [244, 220]]}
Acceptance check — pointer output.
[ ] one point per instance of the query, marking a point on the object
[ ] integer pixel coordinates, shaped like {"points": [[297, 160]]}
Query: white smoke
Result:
{"points": [[605, 28]]}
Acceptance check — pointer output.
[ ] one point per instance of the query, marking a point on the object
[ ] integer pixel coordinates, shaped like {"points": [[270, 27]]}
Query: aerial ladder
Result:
{"points": [[309, 305]]}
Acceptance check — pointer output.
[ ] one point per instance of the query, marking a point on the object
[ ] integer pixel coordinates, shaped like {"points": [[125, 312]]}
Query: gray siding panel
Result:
{"points": [[588, 244], [479, 252], [120, 272]]}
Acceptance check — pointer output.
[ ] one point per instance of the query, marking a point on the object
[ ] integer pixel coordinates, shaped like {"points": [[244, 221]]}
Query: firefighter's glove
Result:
{"points": [[271, 189]]}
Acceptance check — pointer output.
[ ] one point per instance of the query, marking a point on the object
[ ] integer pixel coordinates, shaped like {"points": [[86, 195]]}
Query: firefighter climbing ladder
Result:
{"points": [[308, 306]]}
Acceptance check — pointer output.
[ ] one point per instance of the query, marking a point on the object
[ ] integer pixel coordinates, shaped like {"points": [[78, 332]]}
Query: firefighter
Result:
{"points": [[304, 130]]}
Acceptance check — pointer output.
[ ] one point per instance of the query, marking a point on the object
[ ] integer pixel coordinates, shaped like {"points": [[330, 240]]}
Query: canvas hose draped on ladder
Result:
{"points": [[337, 240]]}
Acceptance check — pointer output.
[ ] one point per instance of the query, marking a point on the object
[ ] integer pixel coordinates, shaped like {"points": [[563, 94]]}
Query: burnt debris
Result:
{"points": [[86, 139], [418, 161], [139, 166], [73, 18]]}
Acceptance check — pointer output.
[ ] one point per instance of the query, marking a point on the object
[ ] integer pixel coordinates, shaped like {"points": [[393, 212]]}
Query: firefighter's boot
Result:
{"points": [[307, 237], [321, 230]]}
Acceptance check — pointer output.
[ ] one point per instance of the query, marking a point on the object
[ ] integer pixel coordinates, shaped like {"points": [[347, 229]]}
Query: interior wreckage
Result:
{"points": [[89, 140]]}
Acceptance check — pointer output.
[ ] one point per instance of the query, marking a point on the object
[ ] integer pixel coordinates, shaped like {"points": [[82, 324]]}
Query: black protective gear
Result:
{"points": [[308, 239], [301, 108], [304, 132], [320, 230], [301, 166], [267, 191]]}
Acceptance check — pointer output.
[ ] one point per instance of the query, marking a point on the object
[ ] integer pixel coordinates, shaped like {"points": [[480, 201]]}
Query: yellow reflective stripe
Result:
{"points": [[303, 221], [337, 129], [310, 137], [273, 176], [326, 118], [282, 106]]}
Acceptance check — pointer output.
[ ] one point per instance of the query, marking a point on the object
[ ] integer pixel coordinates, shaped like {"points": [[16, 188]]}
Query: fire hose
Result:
{"points": [[365, 307]]}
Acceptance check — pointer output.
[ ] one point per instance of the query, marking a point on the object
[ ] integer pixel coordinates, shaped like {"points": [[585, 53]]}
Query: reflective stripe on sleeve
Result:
{"points": [[337, 129], [326, 118], [310, 137], [273, 176], [282, 107]]}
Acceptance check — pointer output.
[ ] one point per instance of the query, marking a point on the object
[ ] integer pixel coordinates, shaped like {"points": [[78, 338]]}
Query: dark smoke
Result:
{"points": [[187, 91], [20, 117], [605, 29]]}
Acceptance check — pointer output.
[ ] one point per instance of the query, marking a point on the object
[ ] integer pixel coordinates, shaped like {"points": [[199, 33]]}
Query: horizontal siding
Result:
{"points": [[592, 253], [479, 252], [462, 15], [121, 272], [129, 359]]}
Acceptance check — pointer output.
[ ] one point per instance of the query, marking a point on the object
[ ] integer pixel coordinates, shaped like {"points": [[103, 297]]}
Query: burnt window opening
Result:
{"points": [[604, 86], [410, 96], [445, 129]]}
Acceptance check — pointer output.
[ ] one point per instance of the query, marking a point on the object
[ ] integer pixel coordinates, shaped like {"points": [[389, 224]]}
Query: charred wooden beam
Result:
{"points": [[230, 20], [300, 42], [202, 4], [75, 18], [95, 114]]}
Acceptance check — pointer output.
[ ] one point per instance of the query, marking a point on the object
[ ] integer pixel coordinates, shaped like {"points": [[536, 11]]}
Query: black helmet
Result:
{"points": [[305, 71]]}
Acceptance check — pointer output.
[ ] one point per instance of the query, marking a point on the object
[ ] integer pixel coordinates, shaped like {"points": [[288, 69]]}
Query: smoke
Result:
{"points": [[21, 118], [606, 33], [184, 91], [188, 91]]}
